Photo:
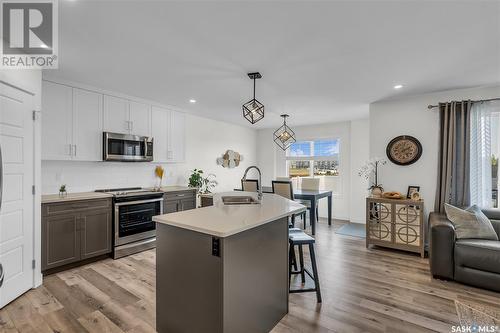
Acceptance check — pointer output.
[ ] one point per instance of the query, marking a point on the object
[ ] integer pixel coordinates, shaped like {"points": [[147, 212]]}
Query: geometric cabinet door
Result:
{"points": [[395, 223]]}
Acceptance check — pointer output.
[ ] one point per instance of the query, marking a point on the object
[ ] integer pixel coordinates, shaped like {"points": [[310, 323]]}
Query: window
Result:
{"points": [[313, 158], [484, 153]]}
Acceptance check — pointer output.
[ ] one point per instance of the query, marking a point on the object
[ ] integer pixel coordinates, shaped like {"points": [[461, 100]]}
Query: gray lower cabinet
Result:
{"points": [[74, 231], [179, 201], [95, 233]]}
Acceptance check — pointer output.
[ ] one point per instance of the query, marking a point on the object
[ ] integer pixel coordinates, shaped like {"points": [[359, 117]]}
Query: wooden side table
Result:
{"points": [[395, 223]]}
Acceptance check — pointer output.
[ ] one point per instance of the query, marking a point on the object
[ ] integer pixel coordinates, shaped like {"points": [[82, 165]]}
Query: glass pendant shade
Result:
{"points": [[284, 136], [253, 110]]}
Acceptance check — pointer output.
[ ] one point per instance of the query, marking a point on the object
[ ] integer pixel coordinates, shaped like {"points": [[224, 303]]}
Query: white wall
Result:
{"points": [[272, 161], [206, 140], [411, 116], [360, 152]]}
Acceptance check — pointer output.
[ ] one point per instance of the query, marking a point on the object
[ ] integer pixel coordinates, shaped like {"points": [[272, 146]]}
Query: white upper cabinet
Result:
{"points": [[140, 119], [87, 125], [159, 133], [116, 115], [168, 131], [56, 121], [128, 117], [73, 120], [177, 132]]}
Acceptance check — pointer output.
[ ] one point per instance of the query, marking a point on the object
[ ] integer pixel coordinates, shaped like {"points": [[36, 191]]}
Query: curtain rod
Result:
{"points": [[482, 100]]}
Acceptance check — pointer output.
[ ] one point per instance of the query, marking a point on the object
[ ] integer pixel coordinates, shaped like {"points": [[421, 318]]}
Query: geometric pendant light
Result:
{"points": [[284, 136], [253, 110]]}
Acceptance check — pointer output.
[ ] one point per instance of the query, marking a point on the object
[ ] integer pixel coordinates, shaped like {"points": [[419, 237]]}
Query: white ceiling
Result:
{"points": [[320, 61]]}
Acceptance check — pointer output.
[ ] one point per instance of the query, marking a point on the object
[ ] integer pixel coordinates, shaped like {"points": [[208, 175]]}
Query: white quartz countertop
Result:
{"points": [[52, 198], [225, 220]]}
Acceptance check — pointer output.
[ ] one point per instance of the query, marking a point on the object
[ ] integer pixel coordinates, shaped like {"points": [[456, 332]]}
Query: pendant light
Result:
{"points": [[284, 136], [253, 110]]}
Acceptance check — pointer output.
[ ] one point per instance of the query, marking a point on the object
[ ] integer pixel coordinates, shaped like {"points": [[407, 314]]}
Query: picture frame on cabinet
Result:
{"points": [[412, 189]]}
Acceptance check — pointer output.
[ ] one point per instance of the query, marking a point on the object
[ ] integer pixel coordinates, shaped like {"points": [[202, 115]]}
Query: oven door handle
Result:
{"points": [[125, 203]]}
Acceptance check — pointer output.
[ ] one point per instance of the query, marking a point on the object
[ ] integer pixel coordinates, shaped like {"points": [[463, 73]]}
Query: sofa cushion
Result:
{"points": [[479, 254], [470, 223]]}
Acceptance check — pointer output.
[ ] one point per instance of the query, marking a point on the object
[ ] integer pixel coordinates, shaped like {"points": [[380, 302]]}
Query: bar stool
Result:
{"points": [[300, 238]]}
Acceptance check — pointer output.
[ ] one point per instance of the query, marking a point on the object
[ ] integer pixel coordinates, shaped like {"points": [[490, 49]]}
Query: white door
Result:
{"points": [[87, 125], [177, 132], [56, 121], [159, 132], [116, 115], [140, 119], [17, 200]]}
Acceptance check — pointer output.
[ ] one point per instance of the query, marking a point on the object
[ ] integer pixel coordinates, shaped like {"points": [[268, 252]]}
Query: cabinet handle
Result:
{"points": [[131, 125], [74, 150], [127, 124], [70, 149]]}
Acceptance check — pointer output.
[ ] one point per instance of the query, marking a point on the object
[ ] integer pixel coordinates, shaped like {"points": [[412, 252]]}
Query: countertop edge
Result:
{"points": [[159, 219]]}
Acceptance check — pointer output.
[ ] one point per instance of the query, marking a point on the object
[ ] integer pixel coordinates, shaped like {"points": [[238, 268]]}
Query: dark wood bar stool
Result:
{"points": [[299, 238]]}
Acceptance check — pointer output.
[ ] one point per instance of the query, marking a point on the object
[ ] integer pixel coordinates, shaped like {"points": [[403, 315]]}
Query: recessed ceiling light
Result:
{"points": [[192, 101], [398, 86]]}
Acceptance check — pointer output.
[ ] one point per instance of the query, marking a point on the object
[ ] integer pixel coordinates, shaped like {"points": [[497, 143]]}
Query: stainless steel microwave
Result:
{"points": [[127, 148]]}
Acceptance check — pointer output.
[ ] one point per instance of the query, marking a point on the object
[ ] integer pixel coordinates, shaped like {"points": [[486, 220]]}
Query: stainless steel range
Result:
{"points": [[134, 229]]}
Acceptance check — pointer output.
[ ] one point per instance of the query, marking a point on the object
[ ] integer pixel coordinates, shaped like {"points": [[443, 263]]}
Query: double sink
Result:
{"points": [[239, 200]]}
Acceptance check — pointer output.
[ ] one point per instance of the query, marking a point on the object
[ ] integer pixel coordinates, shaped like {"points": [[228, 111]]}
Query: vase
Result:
{"points": [[377, 191]]}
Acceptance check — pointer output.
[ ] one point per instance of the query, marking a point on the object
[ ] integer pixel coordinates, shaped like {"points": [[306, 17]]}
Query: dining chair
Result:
{"points": [[294, 180], [250, 185], [312, 184], [284, 188]]}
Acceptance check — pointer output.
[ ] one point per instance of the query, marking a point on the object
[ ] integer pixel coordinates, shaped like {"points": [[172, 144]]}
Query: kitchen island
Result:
{"points": [[223, 268]]}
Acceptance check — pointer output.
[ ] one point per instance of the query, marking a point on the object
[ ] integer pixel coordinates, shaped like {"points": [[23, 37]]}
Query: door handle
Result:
{"points": [[2, 274]]}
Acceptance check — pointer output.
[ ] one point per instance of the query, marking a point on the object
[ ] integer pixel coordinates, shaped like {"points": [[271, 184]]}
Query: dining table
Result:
{"points": [[312, 196]]}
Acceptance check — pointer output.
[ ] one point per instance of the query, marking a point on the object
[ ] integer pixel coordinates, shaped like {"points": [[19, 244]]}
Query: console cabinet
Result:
{"points": [[395, 223], [74, 231]]}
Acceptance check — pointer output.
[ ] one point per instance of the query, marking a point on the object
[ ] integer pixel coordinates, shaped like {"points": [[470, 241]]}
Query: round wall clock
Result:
{"points": [[404, 150]]}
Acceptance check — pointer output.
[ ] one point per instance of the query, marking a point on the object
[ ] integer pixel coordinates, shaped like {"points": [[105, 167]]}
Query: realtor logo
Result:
{"points": [[29, 34]]}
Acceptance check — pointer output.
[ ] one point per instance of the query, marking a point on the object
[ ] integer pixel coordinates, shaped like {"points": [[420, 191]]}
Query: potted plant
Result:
{"points": [[196, 179], [208, 184], [371, 167], [62, 191], [204, 185]]}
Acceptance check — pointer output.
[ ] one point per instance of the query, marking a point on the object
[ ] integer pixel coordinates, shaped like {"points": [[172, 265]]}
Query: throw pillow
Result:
{"points": [[470, 223]]}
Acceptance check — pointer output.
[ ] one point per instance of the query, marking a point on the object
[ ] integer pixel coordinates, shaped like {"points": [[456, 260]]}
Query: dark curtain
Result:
{"points": [[454, 153]]}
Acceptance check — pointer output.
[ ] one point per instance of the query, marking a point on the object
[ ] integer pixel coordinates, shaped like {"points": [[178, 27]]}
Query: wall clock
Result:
{"points": [[404, 150]]}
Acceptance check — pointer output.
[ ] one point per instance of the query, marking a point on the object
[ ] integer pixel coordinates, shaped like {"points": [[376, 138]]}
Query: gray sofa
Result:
{"points": [[471, 261]]}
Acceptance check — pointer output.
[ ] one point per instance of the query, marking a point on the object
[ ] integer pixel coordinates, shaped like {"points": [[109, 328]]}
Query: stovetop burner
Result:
{"points": [[127, 191]]}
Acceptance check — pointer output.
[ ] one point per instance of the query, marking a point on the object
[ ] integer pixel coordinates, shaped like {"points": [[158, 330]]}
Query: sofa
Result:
{"points": [[474, 262]]}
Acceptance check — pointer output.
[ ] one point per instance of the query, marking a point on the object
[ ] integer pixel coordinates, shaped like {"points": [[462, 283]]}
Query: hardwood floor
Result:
{"points": [[363, 290]]}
